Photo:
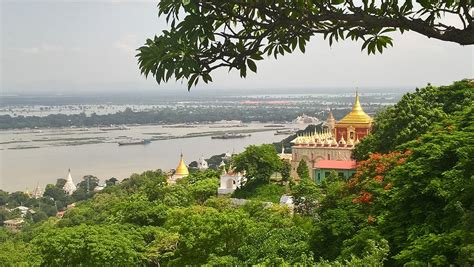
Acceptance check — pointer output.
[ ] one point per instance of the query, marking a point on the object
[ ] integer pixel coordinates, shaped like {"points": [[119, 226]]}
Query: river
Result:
{"points": [[40, 157]]}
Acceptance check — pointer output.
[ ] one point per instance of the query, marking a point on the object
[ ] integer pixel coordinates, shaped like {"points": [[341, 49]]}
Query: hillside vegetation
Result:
{"points": [[410, 202]]}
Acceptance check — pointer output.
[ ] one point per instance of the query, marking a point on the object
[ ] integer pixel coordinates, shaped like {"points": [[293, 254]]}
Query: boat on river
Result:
{"points": [[230, 136], [286, 132], [134, 142]]}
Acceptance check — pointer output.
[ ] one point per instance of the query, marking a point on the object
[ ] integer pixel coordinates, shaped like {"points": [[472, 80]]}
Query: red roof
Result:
{"points": [[336, 164]]}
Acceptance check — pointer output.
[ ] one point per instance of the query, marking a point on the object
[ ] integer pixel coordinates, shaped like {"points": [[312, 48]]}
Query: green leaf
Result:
{"points": [[252, 65], [302, 45]]}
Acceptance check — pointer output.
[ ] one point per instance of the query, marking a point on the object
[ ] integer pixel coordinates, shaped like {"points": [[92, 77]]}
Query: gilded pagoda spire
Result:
{"points": [[357, 114], [182, 169]]}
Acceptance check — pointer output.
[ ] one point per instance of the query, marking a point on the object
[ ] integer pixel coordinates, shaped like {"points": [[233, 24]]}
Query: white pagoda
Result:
{"points": [[69, 187]]}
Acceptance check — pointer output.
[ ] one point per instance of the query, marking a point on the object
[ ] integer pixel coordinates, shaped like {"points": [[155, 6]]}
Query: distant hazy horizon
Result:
{"points": [[81, 47]]}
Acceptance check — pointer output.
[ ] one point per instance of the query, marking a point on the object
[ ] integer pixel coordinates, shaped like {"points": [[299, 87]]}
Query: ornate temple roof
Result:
{"points": [[357, 114], [182, 169]]}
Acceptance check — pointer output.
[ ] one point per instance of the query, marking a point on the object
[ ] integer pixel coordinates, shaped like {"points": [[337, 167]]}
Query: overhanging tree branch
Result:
{"points": [[234, 34]]}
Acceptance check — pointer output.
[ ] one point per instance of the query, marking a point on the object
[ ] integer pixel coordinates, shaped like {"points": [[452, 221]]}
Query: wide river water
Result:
{"points": [[40, 157]]}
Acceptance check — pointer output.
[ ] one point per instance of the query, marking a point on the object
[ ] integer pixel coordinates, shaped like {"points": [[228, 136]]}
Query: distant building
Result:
{"points": [[335, 143], [202, 164], [230, 181], [23, 210], [330, 122], [69, 187], [283, 155], [180, 172], [305, 119], [343, 168], [38, 192], [99, 188], [14, 225]]}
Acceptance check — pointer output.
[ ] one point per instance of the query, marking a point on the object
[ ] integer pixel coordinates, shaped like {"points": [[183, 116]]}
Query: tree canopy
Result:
{"points": [[258, 162], [407, 205], [208, 35]]}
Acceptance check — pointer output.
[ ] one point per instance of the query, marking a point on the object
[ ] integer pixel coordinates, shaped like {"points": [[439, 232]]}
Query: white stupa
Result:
{"points": [[69, 187]]}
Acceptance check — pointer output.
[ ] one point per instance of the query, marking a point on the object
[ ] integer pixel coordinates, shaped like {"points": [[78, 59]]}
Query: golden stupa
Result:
{"points": [[182, 169], [357, 114]]}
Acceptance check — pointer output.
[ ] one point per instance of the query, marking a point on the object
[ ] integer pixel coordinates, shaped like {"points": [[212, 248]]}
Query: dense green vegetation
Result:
{"points": [[408, 204], [54, 199], [415, 114]]}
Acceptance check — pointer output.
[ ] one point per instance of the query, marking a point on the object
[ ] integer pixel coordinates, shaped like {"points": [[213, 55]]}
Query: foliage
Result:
{"points": [[306, 197], [303, 170], [412, 205], [13, 252], [88, 245], [413, 116], [205, 36], [261, 192], [258, 162], [85, 189], [291, 243], [421, 200], [285, 171], [434, 193]]}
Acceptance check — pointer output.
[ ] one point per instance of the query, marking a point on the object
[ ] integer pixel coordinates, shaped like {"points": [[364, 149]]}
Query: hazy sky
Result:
{"points": [[72, 46]]}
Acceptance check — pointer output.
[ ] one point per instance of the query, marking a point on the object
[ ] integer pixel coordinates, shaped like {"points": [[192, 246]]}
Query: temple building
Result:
{"points": [[355, 125], [334, 143], [230, 181], [180, 172], [343, 168], [69, 187]]}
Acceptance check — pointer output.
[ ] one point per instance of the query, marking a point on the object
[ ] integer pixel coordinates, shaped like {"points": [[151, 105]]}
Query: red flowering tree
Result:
{"points": [[372, 183]]}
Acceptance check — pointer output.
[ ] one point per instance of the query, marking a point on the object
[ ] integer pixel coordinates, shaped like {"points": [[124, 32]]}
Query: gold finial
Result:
{"points": [[357, 106]]}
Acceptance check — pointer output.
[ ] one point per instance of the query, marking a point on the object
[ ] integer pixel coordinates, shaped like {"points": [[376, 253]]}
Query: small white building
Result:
{"points": [[99, 188], [23, 210], [229, 181], [202, 164], [305, 119], [69, 187]]}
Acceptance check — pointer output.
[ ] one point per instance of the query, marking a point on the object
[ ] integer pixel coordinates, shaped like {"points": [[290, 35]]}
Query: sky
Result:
{"points": [[67, 46]]}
